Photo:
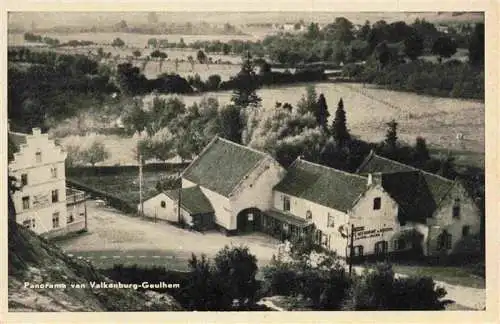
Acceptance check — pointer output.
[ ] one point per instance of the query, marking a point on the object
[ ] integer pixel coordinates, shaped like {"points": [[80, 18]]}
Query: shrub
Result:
{"points": [[380, 290]]}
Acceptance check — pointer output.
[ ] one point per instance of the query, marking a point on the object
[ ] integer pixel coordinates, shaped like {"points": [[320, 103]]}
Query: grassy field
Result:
{"points": [[125, 186]]}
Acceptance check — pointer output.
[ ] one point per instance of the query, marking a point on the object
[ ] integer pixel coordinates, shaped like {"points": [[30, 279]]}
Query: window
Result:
{"points": [[358, 250], [444, 241], [55, 196], [27, 223], [399, 244], [163, 204], [24, 179], [309, 215], [377, 202], [70, 219], [465, 230], [55, 220], [286, 203], [381, 247], [26, 202], [38, 155], [331, 221], [250, 217], [456, 208], [53, 172]]}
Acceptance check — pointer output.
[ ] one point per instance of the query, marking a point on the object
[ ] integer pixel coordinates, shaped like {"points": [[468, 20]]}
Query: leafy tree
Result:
{"points": [[230, 123], [341, 30], [95, 153], [380, 290], [134, 117], [235, 269], [246, 85], [364, 31], [476, 45], [226, 49], [382, 54], [447, 168], [158, 54], [421, 152], [153, 42], [309, 102], [444, 47], [136, 53], [118, 42], [201, 57], [213, 82], [313, 31], [322, 113], [391, 137], [339, 125], [413, 46], [201, 286], [159, 146]]}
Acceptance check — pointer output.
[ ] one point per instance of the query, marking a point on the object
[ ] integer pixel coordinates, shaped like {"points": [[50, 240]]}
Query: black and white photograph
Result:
{"points": [[252, 161]]}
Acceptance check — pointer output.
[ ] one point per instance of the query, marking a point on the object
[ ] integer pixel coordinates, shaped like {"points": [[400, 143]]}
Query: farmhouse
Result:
{"points": [[44, 204], [390, 207]]}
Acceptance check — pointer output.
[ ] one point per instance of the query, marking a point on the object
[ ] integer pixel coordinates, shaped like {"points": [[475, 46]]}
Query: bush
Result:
{"points": [[380, 290]]}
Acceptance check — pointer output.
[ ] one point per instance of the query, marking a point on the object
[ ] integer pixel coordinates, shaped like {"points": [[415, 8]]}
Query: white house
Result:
{"points": [[390, 207], [43, 203], [237, 180]]}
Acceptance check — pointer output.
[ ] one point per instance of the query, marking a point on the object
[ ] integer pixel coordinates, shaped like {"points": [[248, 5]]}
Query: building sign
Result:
{"points": [[41, 200], [363, 234]]}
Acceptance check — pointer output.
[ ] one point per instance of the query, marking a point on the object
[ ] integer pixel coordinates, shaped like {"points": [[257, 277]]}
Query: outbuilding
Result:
{"points": [[196, 211]]}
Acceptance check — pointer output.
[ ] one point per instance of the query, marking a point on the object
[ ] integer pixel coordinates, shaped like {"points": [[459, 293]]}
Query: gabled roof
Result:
{"points": [[18, 138], [192, 199], [322, 185], [418, 192], [222, 165]]}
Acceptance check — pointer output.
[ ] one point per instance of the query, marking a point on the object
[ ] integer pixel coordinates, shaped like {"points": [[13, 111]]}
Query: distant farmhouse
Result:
{"points": [[391, 206], [44, 204]]}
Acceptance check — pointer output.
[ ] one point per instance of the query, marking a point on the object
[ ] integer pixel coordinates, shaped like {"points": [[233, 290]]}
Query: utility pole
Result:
{"points": [[179, 198], [351, 249], [141, 203]]}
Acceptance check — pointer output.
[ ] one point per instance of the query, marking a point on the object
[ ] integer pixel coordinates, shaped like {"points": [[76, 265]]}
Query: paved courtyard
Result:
{"points": [[117, 238]]}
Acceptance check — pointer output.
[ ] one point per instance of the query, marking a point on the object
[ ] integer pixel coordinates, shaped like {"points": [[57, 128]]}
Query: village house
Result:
{"points": [[44, 204], [391, 207]]}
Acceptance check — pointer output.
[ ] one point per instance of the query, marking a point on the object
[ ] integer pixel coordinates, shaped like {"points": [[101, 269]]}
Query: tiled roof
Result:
{"points": [[418, 192], [323, 185], [192, 199], [222, 165], [287, 218]]}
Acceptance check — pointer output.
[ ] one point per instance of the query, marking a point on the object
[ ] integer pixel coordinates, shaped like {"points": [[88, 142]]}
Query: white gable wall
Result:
{"points": [[153, 208], [257, 189], [443, 220], [378, 225], [41, 182]]}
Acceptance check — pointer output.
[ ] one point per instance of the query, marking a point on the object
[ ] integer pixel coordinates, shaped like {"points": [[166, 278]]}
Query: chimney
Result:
{"points": [[37, 131], [374, 179]]}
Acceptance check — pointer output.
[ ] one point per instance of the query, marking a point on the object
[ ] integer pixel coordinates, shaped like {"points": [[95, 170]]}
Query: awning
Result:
{"points": [[287, 218]]}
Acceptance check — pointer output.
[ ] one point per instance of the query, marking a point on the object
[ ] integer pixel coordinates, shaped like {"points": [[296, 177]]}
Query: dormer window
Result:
{"points": [[309, 215], [38, 156], [377, 202]]}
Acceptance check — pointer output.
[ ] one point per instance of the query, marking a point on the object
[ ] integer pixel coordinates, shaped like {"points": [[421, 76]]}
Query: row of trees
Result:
{"points": [[317, 281]]}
